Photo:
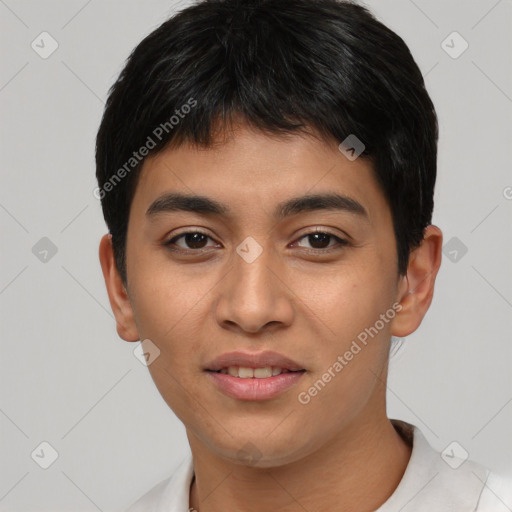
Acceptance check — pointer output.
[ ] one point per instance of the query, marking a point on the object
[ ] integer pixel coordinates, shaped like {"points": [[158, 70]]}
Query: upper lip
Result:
{"points": [[253, 360]]}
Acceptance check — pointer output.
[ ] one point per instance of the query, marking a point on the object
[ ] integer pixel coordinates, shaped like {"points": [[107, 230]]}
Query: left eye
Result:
{"points": [[320, 240]]}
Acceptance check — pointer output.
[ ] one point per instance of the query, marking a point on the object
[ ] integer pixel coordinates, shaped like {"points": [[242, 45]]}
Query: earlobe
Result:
{"points": [[117, 294], [416, 288]]}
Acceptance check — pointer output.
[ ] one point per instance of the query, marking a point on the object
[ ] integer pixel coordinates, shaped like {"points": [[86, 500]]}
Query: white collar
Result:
{"points": [[429, 484]]}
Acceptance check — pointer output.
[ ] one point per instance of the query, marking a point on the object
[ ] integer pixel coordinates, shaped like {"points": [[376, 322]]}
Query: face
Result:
{"points": [[256, 270]]}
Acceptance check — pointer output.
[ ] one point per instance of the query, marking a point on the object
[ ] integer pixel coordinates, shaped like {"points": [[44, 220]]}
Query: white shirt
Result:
{"points": [[429, 484]]}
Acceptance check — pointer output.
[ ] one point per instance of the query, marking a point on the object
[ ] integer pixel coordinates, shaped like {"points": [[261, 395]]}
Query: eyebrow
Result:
{"points": [[204, 205]]}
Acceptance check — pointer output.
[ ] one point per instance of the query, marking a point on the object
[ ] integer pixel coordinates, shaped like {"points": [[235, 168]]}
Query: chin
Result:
{"points": [[260, 450]]}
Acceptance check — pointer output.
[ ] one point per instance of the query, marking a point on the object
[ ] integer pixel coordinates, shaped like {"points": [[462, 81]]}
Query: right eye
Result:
{"points": [[194, 241]]}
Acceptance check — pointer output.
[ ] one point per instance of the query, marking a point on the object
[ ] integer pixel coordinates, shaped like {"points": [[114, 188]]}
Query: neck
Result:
{"points": [[358, 470]]}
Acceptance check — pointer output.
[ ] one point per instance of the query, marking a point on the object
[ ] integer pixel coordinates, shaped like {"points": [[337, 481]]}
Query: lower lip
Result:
{"points": [[255, 389]]}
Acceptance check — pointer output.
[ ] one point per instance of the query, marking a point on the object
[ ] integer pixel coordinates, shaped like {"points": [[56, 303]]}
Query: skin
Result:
{"points": [[306, 304]]}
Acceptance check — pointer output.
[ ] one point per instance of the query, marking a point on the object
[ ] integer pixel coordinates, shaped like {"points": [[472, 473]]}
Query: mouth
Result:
{"points": [[245, 372], [254, 376], [253, 364]]}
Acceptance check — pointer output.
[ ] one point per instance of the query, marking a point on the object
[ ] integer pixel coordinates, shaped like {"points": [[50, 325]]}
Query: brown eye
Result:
{"points": [[192, 240], [319, 240]]}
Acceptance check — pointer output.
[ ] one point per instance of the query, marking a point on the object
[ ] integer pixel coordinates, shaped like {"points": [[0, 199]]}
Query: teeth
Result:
{"points": [[263, 373], [244, 372]]}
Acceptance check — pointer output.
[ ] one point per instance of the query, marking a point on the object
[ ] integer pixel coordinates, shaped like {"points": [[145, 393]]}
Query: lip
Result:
{"points": [[253, 360], [254, 389]]}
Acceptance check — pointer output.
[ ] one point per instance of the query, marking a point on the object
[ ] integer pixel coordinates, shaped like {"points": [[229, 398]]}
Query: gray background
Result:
{"points": [[66, 377]]}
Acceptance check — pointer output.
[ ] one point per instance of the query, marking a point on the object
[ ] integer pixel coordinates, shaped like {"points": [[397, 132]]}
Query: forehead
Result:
{"points": [[251, 172]]}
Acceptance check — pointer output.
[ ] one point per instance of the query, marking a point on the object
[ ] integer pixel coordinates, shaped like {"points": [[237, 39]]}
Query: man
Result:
{"points": [[266, 171]]}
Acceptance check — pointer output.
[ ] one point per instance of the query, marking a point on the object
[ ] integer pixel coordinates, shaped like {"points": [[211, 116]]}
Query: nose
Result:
{"points": [[254, 296]]}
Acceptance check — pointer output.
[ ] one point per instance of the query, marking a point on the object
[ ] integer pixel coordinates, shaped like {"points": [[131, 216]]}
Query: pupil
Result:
{"points": [[314, 238], [193, 240]]}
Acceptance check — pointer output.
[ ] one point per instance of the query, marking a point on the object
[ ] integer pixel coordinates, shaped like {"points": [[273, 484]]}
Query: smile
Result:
{"points": [[244, 372]]}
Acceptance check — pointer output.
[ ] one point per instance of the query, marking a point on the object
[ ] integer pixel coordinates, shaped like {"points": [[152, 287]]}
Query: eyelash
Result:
{"points": [[340, 242]]}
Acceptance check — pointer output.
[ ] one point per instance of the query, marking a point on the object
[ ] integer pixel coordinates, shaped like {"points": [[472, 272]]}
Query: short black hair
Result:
{"points": [[282, 66]]}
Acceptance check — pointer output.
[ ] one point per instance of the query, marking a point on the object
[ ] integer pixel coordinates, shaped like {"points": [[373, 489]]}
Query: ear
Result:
{"points": [[416, 288], [117, 294]]}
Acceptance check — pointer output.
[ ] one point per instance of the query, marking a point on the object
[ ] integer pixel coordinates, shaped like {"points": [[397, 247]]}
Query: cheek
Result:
{"points": [[347, 322], [344, 300], [348, 371], [169, 310], [166, 298]]}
